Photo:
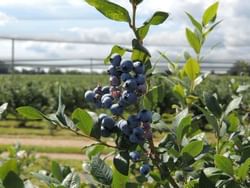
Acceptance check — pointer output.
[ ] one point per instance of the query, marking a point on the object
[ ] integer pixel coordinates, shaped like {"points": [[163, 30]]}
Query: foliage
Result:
{"points": [[183, 157], [240, 68]]}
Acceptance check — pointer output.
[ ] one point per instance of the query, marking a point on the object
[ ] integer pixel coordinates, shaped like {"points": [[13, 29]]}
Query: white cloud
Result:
{"points": [[233, 33], [4, 18]]}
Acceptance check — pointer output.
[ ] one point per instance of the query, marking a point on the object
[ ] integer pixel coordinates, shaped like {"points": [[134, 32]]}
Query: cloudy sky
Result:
{"points": [[75, 20]]}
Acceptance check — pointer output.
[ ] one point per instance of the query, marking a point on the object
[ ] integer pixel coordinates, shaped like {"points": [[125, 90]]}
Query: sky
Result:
{"points": [[76, 20]]}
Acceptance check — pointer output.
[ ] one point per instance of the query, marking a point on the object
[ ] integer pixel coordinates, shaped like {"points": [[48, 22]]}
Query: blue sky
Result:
{"points": [[75, 20]]}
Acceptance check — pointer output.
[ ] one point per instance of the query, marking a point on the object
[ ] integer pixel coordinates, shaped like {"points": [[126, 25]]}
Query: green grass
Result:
{"points": [[31, 132], [45, 149], [44, 163], [84, 80]]}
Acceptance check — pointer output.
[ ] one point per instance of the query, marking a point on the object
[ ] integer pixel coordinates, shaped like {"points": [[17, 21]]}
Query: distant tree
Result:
{"points": [[4, 68], [240, 68]]}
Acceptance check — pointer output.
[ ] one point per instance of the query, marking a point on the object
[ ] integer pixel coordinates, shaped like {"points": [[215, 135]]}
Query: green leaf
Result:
{"points": [[94, 150], [182, 127], [210, 13], [1, 184], [10, 165], [212, 28], [12, 180], [193, 148], [200, 78], [244, 170], [234, 104], [30, 112], [160, 126], [139, 47], [242, 88], [153, 97], [56, 171], [179, 90], [143, 31], [195, 22], [3, 107], [158, 18], [120, 169], [233, 121], [192, 184], [193, 40], [187, 56], [205, 182], [179, 117], [211, 172], [115, 50], [213, 105], [211, 119], [46, 179], [224, 164], [60, 117], [121, 162], [72, 180], [83, 120], [96, 131], [101, 171], [192, 69], [110, 10]]}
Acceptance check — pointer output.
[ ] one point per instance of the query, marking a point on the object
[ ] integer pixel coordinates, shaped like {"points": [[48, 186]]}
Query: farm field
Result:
{"points": [[133, 125], [15, 129], [41, 91]]}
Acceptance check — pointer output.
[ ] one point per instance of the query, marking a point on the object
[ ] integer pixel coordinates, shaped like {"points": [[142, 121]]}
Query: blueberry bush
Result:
{"points": [[149, 148]]}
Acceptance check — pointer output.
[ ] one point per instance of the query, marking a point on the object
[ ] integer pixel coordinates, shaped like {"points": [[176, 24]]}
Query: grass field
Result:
{"points": [[12, 88], [84, 80]]}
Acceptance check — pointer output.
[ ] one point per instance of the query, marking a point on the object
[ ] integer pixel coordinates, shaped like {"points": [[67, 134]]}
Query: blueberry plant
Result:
{"points": [[182, 157]]}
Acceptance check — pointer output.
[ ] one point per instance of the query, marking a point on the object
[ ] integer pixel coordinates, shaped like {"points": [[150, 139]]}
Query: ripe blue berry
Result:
{"points": [[125, 77], [105, 132], [101, 117], [105, 90], [133, 121], [107, 102], [116, 60], [145, 169], [116, 109], [98, 104], [138, 67], [122, 102], [89, 96], [134, 155], [145, 116], [138, 132], [123, 126], [129, 97], [114, 81], [134, 139], [112, 71], [140, 79], [98, 90], [126, 66], [108, 123], [142, 89], [106, 96], [130, 85]]}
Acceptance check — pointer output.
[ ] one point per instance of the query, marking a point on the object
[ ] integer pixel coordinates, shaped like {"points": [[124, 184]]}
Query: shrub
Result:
{"points": [[240, 68], [183, 157]]}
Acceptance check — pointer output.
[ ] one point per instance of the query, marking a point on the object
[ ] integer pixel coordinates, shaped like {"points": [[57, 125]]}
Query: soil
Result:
{"points": [[50, 142]]}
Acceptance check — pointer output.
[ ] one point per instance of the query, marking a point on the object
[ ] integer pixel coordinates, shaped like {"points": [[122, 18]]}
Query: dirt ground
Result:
{"points": [[50, 142]]}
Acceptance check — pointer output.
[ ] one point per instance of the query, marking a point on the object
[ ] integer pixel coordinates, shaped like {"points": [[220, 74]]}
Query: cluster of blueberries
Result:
{"points": [[119, 95], [127, 84]]}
